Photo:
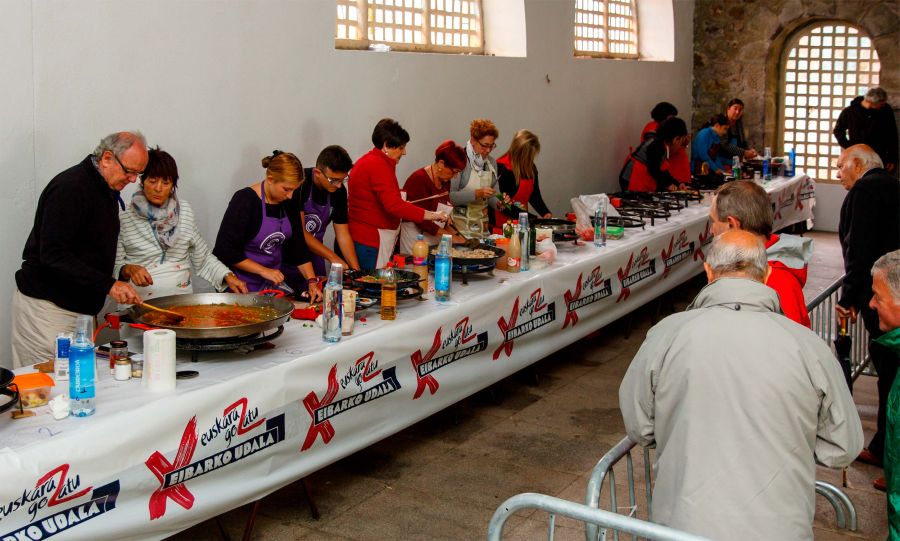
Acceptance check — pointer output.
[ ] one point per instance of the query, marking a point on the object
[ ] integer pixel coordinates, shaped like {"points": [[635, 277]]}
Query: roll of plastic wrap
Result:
{"points": [[159, 360]]}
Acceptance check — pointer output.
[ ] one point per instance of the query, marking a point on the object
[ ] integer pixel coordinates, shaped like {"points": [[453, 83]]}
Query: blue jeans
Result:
{"points": [[367, 256]]}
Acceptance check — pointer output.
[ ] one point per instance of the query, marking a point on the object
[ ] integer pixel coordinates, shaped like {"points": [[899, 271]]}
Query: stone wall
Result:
{"points": [[738, 47]]}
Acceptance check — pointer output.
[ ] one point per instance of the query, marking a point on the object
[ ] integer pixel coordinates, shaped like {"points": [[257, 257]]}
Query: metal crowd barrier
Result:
{"points": [[584, 513], [822, 318], [844, 510]]}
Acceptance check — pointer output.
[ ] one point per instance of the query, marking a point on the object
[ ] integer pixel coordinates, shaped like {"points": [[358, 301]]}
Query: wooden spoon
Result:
{"points": [[174, 315]]}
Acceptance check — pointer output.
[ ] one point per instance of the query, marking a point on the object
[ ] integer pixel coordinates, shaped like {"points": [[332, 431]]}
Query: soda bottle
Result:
{"points": [[514, 252], [82, 368], [389, 294], [420, 261], [736, 168], [332, 304], [442, 270]]}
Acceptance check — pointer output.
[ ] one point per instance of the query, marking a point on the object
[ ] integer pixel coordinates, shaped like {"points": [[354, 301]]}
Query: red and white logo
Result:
{"points": [[679, 249], [541, 314], [703, 239], [594, 287], [637, 269], [461, 345]]}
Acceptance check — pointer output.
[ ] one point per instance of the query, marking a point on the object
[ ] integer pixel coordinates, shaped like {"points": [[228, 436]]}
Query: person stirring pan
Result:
{"points": [[261, 228]]}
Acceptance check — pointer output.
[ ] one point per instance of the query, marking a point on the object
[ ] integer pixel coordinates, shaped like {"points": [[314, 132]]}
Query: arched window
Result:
{"points": [[606, 28], [825, 66], [445, 26]]}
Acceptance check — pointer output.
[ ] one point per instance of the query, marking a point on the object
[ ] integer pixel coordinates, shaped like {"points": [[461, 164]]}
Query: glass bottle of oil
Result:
{"points": [[389, 294]]}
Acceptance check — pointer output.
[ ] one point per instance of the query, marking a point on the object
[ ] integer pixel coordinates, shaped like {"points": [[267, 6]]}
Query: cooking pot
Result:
{"points": [[6, 378], [282, 310]]}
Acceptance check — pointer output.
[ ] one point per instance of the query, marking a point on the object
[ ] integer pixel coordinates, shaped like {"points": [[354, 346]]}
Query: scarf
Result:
{"points": [[890, 340], [163, 220], [474, 158]]}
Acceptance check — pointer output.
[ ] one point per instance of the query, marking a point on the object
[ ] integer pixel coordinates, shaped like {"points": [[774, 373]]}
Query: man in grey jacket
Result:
{"points": [[741, 403]]}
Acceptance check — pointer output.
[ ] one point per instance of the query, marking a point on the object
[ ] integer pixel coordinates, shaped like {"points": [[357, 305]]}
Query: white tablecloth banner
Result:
{"points": [[148, 465]]}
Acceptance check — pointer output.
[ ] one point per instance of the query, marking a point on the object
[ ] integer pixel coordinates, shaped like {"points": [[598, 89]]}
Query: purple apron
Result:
{"points": [[267, 246], [316, 220]]}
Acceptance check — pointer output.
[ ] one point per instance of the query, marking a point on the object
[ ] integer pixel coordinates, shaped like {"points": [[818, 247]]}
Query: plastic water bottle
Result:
{"points": [[792, 159], [600, 222], [523, 238], [767, 164], [82, 368], [442, 270], [332, 305]]}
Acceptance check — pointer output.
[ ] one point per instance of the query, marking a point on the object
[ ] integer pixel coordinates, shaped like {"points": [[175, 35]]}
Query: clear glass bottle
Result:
{"points": [[600, 222], [389, 294], [82, 368], [736, 168], [332, 304], [442, 270], [523, 238]]}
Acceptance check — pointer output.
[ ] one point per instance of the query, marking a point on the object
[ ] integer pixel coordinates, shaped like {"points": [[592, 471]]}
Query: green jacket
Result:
{"points": [[891, 340]]}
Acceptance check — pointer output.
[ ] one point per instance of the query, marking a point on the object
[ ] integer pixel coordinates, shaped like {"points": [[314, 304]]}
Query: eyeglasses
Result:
{"points": [[335, 181], [486, 146], [128, 172]]}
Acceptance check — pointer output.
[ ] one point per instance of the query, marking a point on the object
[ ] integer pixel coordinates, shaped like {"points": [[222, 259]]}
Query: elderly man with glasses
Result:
{"points": [[323, 200], [68, 260]]}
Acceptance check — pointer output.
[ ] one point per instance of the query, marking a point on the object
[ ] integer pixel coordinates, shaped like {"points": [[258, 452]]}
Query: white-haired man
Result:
{"points": [[741, 402], [886, 303], [71, 251], [869, 120], [869, 228]]}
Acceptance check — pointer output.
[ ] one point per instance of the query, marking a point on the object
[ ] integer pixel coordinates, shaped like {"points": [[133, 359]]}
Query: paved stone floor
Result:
{"points": [[541, 430]]}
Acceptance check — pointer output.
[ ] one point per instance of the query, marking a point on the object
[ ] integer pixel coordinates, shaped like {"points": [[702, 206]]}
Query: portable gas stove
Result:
{"points": [[464, 271], [242, 343]]}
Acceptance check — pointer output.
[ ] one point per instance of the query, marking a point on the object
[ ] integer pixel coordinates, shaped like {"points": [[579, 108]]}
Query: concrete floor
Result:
{"points": [[444, 477]]}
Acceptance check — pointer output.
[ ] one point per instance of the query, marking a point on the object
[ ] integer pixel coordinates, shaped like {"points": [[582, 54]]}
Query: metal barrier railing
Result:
{"points": [[822, 318], [588, 515], [844, 510]]}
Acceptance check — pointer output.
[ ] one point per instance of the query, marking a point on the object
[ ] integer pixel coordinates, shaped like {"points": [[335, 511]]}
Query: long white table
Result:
{"points": [[148, 465]]}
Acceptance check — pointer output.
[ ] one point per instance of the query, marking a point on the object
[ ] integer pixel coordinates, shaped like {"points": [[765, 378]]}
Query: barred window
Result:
{"points": [[606, 28], [444, 26], [825, 67]]}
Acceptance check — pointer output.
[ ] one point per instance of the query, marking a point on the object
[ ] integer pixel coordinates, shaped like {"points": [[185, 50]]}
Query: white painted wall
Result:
{"points": [[220, 83]]}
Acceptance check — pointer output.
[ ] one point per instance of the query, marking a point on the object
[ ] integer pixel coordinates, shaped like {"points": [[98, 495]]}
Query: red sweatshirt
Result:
{"points": [[788, 256], [373, 198]]}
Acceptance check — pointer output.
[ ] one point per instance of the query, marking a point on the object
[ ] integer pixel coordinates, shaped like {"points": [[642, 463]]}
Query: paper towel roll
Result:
{"points": [[159, 360]]}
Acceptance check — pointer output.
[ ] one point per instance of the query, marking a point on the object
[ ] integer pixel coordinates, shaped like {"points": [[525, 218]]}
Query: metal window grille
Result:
{"points": [[606, 28], [825, 67], [448, 26]]}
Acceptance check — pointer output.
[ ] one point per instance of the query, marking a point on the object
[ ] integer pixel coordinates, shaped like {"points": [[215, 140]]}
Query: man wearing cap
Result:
{"points": [[68, 260], [869, 120]]}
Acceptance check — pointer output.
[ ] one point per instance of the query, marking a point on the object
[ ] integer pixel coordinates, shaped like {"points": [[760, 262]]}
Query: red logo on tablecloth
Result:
{"points": [[678, 251], [425, 365], [594, 285], [237, 419], [644, 267], [57, 483], [704, 238], [322, 410], [511, 330]]}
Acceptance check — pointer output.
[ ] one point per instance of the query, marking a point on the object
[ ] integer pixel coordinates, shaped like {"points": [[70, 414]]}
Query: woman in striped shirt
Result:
{"points": [[159, 243]]}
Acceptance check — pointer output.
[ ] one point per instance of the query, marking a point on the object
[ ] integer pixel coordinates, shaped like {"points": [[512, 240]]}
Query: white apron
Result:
{"points": [[473, 223], [168, 279], [387, 239]]}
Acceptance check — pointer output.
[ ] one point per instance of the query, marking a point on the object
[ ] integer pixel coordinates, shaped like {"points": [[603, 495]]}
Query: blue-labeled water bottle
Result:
{"points": [[82, 368], [600, 222], [767, 164], [524, 238], [792, 156], [442, 270], [332, 304]]}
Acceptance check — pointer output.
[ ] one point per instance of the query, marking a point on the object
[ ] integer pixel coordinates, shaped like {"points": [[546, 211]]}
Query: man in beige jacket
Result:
{"points": [[741, 402]]}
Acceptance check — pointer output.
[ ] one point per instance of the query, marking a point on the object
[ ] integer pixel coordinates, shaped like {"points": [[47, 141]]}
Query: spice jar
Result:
{"points": [[118, 349], [123, 369], [137, 368]]}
